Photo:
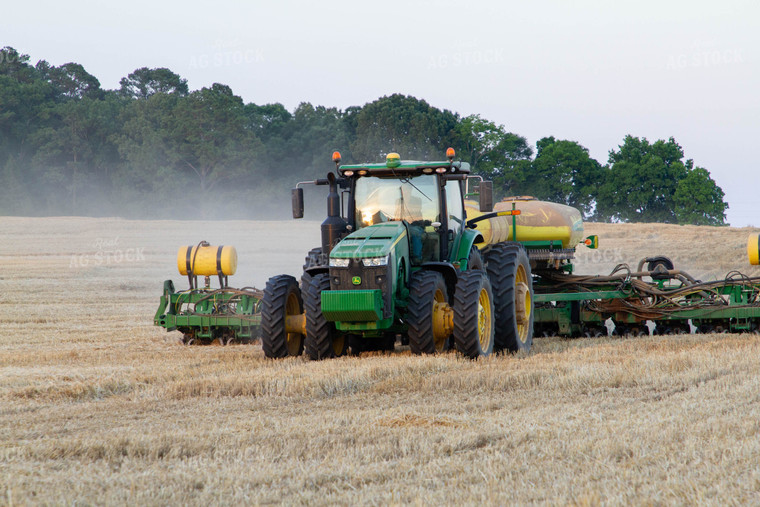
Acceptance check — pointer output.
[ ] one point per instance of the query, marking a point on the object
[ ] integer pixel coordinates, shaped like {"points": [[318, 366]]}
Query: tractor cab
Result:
{"points": [[426, 197], [409, 212]]}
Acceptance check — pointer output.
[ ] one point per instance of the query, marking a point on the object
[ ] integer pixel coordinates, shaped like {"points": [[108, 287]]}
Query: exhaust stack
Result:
{"points": [[335, 226]]}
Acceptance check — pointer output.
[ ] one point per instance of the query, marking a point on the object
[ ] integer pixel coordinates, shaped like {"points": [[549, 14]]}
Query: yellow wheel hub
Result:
{"points": [[443, 321], [485, 319], [295, 325], [523, 304]]}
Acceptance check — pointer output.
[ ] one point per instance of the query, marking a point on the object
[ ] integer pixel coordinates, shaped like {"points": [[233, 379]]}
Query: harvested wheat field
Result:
{"points": [[99, 407]]}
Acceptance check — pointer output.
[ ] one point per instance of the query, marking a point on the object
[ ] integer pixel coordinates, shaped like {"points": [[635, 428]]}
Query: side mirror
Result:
{"points": [[296, 195], [486, 196]]}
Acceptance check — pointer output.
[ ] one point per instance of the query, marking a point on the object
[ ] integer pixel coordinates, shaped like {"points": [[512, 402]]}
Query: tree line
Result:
{"points": [[154, 148]]}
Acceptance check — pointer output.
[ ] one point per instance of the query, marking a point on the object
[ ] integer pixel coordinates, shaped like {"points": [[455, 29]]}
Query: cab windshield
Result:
{"points": [[413, 199]]}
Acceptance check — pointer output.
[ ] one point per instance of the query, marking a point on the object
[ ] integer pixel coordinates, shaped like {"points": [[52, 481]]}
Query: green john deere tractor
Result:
{"points": [[399, 258]]}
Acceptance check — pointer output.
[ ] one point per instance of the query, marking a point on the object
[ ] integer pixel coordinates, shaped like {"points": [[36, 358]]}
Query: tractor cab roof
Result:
{"points": [[395, 166]]}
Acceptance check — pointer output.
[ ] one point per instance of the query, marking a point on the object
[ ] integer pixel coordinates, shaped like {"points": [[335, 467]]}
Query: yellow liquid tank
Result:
{"points": [[537, 221], [753, 249], [207, 260]]}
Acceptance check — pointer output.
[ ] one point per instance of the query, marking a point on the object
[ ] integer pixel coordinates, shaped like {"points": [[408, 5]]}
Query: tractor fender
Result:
{"points": [[462, 246]]}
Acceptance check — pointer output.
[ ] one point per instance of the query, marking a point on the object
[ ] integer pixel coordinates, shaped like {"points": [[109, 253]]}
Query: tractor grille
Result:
{"points": [[368, 277]]}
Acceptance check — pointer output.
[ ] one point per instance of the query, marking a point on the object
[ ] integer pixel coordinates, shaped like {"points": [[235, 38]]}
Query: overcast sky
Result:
{"points": [[586, 71]]}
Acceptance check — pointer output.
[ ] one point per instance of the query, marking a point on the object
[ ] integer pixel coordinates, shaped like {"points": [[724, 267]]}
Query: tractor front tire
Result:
{"points": [[474, 315], [323, 341], [426, 288], [508, 269], [282, 298]]}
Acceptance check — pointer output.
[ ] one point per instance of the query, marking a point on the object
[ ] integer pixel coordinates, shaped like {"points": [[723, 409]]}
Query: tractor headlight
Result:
{"points": [[376, 261], [339, 263]]}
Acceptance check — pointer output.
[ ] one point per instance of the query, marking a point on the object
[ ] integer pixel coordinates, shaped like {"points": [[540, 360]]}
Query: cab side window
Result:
{"points": [[454, 206]]}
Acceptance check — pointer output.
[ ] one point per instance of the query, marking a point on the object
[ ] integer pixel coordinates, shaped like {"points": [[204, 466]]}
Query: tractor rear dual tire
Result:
{"points": [[509, 271], [322, 341], [282, 297], [474, 315], [315, 258], [475, 260]]}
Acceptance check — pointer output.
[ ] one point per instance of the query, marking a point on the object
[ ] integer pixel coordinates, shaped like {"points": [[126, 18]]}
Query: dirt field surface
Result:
{"points": [[99, 407]]}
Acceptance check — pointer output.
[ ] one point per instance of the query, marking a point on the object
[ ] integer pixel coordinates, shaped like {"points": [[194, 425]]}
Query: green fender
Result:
{"points": [[462, 246]]}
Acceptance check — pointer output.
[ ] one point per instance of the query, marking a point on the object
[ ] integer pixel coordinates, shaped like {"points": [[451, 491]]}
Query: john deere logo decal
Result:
{"points": [[357, 280]]}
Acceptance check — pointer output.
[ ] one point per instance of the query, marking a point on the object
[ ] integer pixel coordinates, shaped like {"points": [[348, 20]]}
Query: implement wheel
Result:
{"points": [[508, 269], [322, 339], [474, 315], [282, 298], [427, 299]]}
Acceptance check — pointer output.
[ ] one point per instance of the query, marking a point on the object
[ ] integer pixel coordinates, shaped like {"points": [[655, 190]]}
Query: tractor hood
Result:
{"points": [[373, 241]]}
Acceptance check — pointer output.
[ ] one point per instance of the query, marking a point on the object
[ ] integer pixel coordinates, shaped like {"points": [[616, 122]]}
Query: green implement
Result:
{"points": [[204, 315]]}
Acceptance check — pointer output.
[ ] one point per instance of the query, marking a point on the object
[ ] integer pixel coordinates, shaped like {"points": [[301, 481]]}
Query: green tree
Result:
{"points": [[76, 156], [350, 121], [25, 102], [199, 145], [150, 171], [488, 147], [209, 139], [68, 146], [315, 133], [144, 82], [269, 121], [493, 152], [564, 172], [404, 124], [16, 65], [642, 180], [699, 200], [477, 139], [24, 99], [72, 81], [298, 145]]}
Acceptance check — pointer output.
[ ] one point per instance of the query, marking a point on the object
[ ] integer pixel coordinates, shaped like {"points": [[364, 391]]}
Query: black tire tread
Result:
{"points": [[422, 288], [466, 297], [501, 265], [475, 260], [313, 258], [273, 310], [319, 332]]}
